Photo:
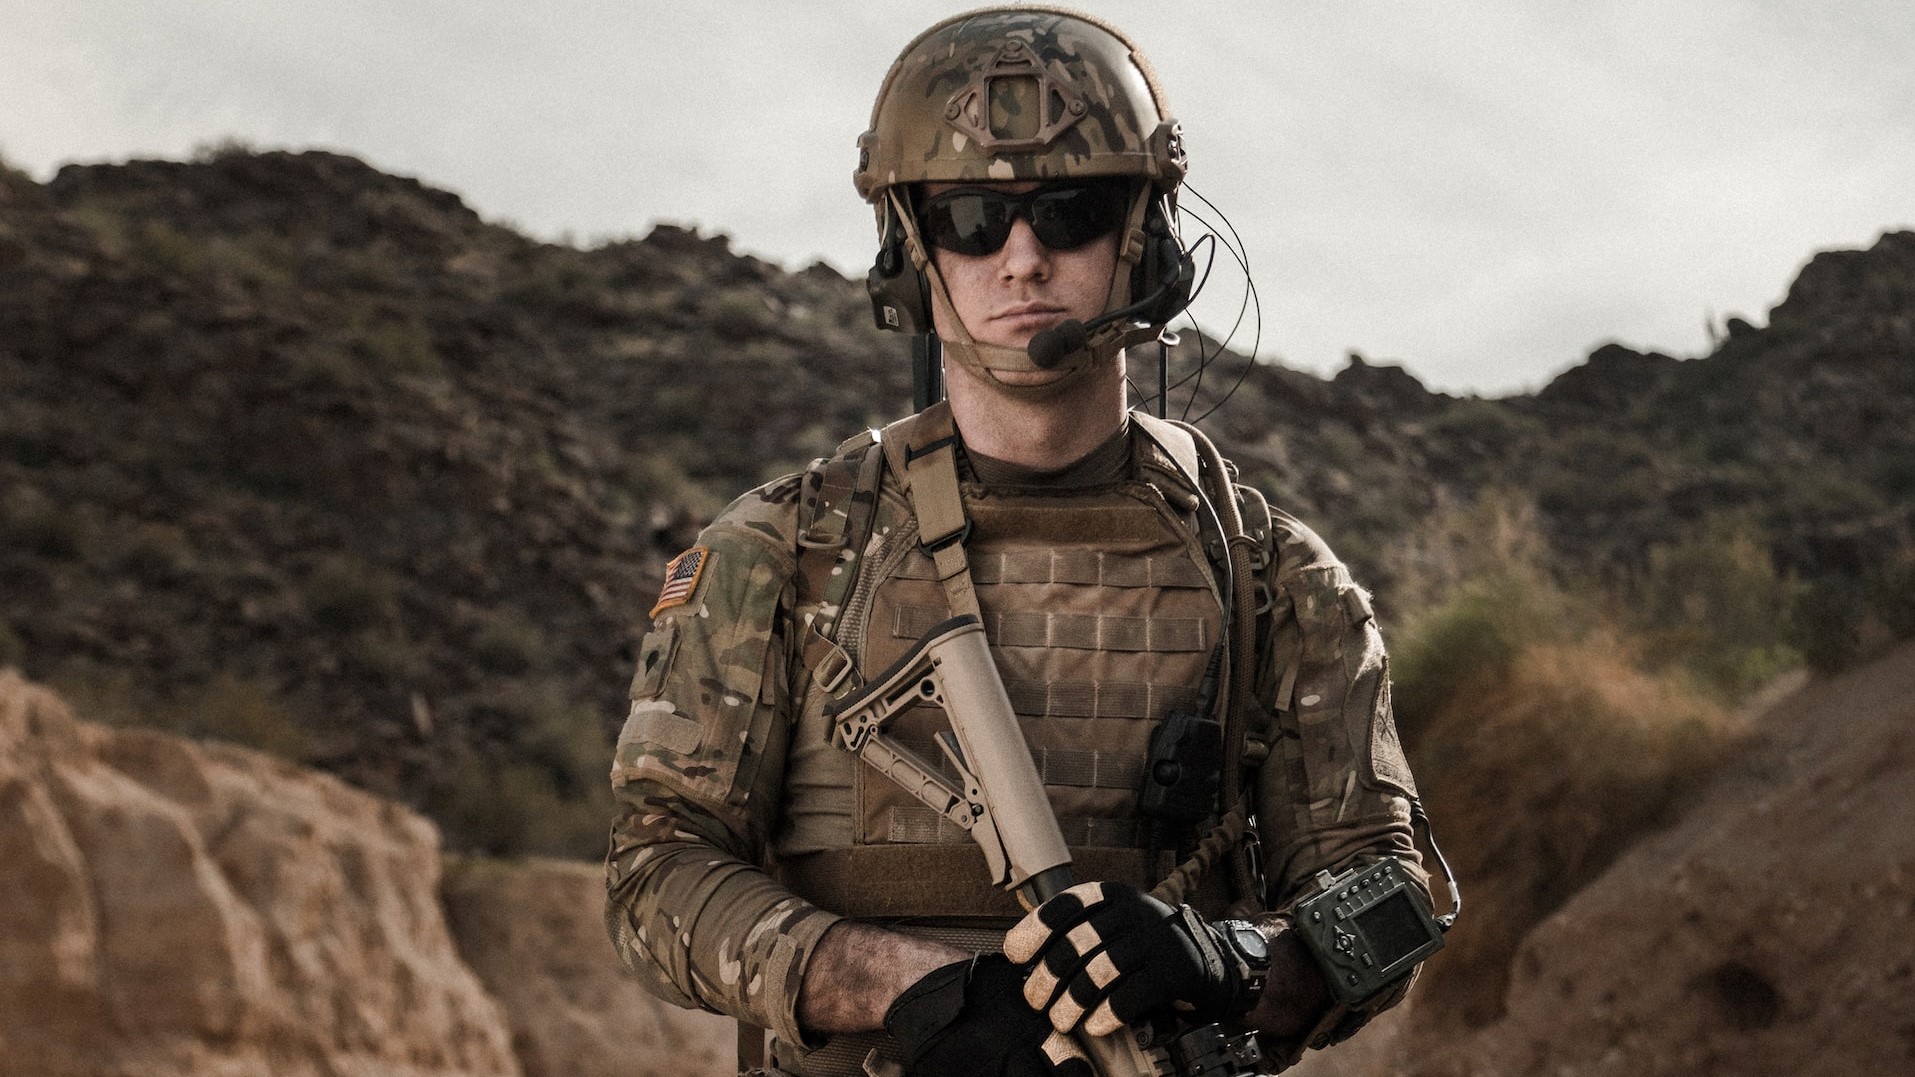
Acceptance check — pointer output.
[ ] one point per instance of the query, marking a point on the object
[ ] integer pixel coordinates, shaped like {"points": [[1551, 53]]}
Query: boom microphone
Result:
{"points": [[1049, 347]]}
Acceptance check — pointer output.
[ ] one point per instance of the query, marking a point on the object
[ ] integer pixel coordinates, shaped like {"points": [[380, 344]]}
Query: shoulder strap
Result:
{"points": [[1197, 455], [838, 502], [923, 449], [1178, 441]]}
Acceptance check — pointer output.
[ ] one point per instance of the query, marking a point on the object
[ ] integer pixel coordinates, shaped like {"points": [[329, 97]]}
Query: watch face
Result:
{"points": [[1250, 943]]}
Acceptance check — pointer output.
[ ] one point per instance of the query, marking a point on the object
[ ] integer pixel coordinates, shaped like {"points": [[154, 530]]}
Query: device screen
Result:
{"points": [[1393, 928]]}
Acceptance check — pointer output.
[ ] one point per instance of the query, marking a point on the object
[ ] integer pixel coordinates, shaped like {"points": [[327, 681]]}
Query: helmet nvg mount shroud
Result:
{"points": [[1025, 93]]}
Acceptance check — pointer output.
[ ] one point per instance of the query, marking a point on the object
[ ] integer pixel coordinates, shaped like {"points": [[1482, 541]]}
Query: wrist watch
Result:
{"points": [[1252, 953]]}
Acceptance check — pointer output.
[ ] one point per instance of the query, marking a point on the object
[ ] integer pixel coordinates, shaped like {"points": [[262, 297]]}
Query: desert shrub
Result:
{"points": [[161, 247], [346, 594], [1892, 593], [322, 368], [1457, 542], [225, 148], [35, 524], [110, 694], [248, 711], [1825, 623], [535, 784], [1545, 740], [508, 807], [386, 652], [1541, 757], [244, 709], [1485, 428], [1474, 637], [259, 261], [1714, 603], [13, 649], [506, 642], [154, 552], [402, 347], [739, 314]]}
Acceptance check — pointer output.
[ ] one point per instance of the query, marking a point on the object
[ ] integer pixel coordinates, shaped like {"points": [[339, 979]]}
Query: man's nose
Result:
{"points": [[1024, 255]]}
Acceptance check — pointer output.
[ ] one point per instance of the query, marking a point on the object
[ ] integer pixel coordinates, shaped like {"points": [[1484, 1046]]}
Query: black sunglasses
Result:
{"points": [[1064, 215]]}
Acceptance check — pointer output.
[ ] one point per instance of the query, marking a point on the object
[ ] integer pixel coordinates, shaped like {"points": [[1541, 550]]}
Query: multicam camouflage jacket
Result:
{"points": [[728, 786]]}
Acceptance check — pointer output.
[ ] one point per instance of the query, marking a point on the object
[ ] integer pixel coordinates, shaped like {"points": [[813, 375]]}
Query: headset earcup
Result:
{"points": [[1164, 260], [899, 293], [900, 296]]}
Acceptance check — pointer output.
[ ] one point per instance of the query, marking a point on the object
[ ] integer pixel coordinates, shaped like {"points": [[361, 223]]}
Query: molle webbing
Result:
{"points": [[1101, 617], [1081, 632], [916, 824], [1091, 568], [1092, 768], [1098, 699]]}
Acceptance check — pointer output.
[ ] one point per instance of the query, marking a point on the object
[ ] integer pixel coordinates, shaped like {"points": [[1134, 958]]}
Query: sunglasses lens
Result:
{"points": [[1064, 216], [1069, 217], [968, 222]]}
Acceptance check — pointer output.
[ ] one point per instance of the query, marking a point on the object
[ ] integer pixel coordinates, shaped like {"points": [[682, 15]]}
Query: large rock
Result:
{"points": [[534, 930], [176, 908]]}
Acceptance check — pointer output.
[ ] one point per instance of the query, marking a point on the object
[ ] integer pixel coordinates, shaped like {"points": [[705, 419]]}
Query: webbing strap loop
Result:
{"points": [[927, 457]]}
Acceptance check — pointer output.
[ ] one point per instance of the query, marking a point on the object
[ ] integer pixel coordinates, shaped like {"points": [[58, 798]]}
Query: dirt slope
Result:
{"points": [[1772, 931]]}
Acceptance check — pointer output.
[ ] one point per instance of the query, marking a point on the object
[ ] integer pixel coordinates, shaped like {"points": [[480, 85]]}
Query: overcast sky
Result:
{"points": [[1483, 191]]}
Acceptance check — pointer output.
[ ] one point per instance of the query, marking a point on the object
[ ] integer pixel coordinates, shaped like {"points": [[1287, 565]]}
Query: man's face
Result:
{"points": [[1006, 296]]}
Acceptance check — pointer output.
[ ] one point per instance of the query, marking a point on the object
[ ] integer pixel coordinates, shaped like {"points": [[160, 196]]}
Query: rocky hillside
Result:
{"points": [[307, 456], [310, 457]]}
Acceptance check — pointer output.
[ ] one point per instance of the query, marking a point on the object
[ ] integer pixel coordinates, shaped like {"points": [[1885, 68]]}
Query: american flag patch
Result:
{"points": [[681, 578]]}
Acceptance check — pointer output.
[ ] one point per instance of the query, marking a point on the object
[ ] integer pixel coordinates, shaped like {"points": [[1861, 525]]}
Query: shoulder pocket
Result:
{"points": [[1342, 694], [699, 695]]}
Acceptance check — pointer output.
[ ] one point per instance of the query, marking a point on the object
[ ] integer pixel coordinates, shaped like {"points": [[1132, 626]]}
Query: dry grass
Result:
{"points": [[1539, 769]]}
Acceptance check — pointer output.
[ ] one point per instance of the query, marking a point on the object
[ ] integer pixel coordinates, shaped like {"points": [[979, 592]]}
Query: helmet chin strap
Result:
{"points": [[984, 361]]}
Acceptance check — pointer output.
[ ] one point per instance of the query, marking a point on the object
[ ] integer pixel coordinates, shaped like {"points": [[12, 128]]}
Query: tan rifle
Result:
{"points": [[999, 799]]}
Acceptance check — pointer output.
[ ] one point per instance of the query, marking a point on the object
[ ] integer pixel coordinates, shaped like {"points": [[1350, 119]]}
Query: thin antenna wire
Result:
{"points": [[1252, 304], [1218, 232]]}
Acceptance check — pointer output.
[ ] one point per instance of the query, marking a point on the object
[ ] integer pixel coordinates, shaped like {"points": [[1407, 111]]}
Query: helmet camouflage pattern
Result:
{"points": [[1020, 93]]}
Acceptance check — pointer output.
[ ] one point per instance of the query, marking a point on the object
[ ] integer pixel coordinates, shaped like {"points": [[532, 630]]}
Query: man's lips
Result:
{"points": [[1040, 315]]}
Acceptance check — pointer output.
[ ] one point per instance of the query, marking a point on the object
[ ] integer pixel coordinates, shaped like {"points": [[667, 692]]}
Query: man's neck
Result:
{"points": [[1045, 435]]}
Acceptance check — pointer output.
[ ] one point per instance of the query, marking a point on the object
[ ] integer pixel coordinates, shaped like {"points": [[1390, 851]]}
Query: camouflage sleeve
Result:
{"points": [[1336, 789], [697, 778]]}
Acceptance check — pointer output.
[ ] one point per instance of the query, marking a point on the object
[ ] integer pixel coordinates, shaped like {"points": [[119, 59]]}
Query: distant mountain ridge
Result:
{"points": [[303, 454]]}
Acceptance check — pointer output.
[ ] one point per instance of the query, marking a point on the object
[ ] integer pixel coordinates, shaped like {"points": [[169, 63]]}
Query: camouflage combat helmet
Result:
{"points": [[1029, 92], [1026, 92]]}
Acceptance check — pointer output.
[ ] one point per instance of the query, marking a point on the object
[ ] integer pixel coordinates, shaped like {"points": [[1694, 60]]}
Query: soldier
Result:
{"points": [[1024, 170]]}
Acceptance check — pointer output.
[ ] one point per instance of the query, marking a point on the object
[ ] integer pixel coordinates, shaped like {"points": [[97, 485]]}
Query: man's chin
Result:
{"points": [[1024, 379]]}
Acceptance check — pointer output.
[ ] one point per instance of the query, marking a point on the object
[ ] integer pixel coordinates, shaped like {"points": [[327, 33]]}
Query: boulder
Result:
{"points": [[183, 908]]}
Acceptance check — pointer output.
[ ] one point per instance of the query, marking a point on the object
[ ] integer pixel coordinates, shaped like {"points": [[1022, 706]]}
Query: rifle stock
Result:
{"points": [[1001, 801]]}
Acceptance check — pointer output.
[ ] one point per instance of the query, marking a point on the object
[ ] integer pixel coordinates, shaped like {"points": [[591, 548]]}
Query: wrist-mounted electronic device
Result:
{"points": [[1251, 953], [1368, 927]]}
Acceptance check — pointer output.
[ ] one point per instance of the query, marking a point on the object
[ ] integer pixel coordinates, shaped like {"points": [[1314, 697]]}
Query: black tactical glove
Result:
{"points": [[968, 1019], [1108, 954]]}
